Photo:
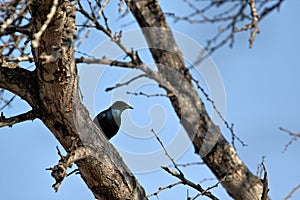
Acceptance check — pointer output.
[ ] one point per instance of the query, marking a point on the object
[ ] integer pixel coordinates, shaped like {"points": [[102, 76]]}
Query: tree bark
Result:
{"points": [[52, 89], [207, 139], [15, 79]]}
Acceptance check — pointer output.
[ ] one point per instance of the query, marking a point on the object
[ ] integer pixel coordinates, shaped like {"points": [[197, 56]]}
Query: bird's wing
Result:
{"points": [[100, 118], [102, 115]]}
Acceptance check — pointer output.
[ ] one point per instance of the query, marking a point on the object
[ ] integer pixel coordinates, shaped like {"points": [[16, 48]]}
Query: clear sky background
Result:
{"points": [[262, 94]]}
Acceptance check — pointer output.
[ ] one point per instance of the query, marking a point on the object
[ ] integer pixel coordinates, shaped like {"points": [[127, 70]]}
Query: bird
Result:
{"points": [[109, 120]]}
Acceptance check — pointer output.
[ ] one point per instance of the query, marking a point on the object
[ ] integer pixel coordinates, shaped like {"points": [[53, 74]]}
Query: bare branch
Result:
{"points": [[7, 102], [267, 10], [55, 85], [116, 38], [76, 171], [92, 23], [167, 154], [189, 164], [10, 19], [149, 95], [253, 25], [295, 136], [19, 59], [136, 63], [260, 169], [30, 115], [265, 181], [207, 179], [190, 183], [292, 192], [229, 127], [125, 83], [164, 188], [59, 171], [215, 151], [209, 188], [102, 7], [105, 61], [179, 174], [15, 79], [14, 29], [226, 15]]}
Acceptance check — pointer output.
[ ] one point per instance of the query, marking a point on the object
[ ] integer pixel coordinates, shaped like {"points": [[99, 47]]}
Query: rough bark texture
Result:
{"points": [[52, 88], [15, 79], [208, 141]]}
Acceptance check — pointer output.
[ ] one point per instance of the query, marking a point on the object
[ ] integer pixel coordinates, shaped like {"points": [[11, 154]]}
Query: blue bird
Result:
{"points": [[109, 120]]}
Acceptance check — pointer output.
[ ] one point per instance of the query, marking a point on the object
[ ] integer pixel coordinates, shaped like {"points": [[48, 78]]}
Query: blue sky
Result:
{"points": [[262, 93]]}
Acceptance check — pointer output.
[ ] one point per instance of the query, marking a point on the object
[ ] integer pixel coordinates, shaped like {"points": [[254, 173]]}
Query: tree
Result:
{"points": [[53, 93]]}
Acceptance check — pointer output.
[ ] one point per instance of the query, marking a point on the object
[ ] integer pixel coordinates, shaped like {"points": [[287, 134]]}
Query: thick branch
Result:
{"points": [[20, 82], [104, 171], [208, 141]]}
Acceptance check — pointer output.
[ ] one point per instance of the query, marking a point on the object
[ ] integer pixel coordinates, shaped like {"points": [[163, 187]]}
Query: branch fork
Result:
{"points": [[59, 171]]}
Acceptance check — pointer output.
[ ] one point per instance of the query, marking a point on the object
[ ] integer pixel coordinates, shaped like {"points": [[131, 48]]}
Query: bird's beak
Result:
{"points": [[129, 107]]}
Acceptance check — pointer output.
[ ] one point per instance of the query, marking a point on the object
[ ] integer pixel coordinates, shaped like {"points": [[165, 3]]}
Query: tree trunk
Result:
{"points": [[207, 139], [52, 90]]}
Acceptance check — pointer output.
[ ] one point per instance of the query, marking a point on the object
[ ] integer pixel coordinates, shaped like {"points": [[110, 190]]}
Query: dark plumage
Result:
{"points": [[109, 120]]}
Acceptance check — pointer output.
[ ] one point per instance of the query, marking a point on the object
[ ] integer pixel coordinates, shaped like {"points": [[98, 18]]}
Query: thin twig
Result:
{"points": [[59, 153], [164, 188], [207, 179], [190, 183], [227, 15], [209, 188], [149, 95], [105, 61], [106, 30], [229, 127], [292, 192], [10, 19], [92, 23], [189, 164], [260, 168], [166, 153], [295, 136], [179, 174], [125, 83], [20, 59], [136, 63], [7, 103], [76, 171]]}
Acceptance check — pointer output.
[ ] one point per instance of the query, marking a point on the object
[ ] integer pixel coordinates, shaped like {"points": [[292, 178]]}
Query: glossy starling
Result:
{"points": [[109, 120]]}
